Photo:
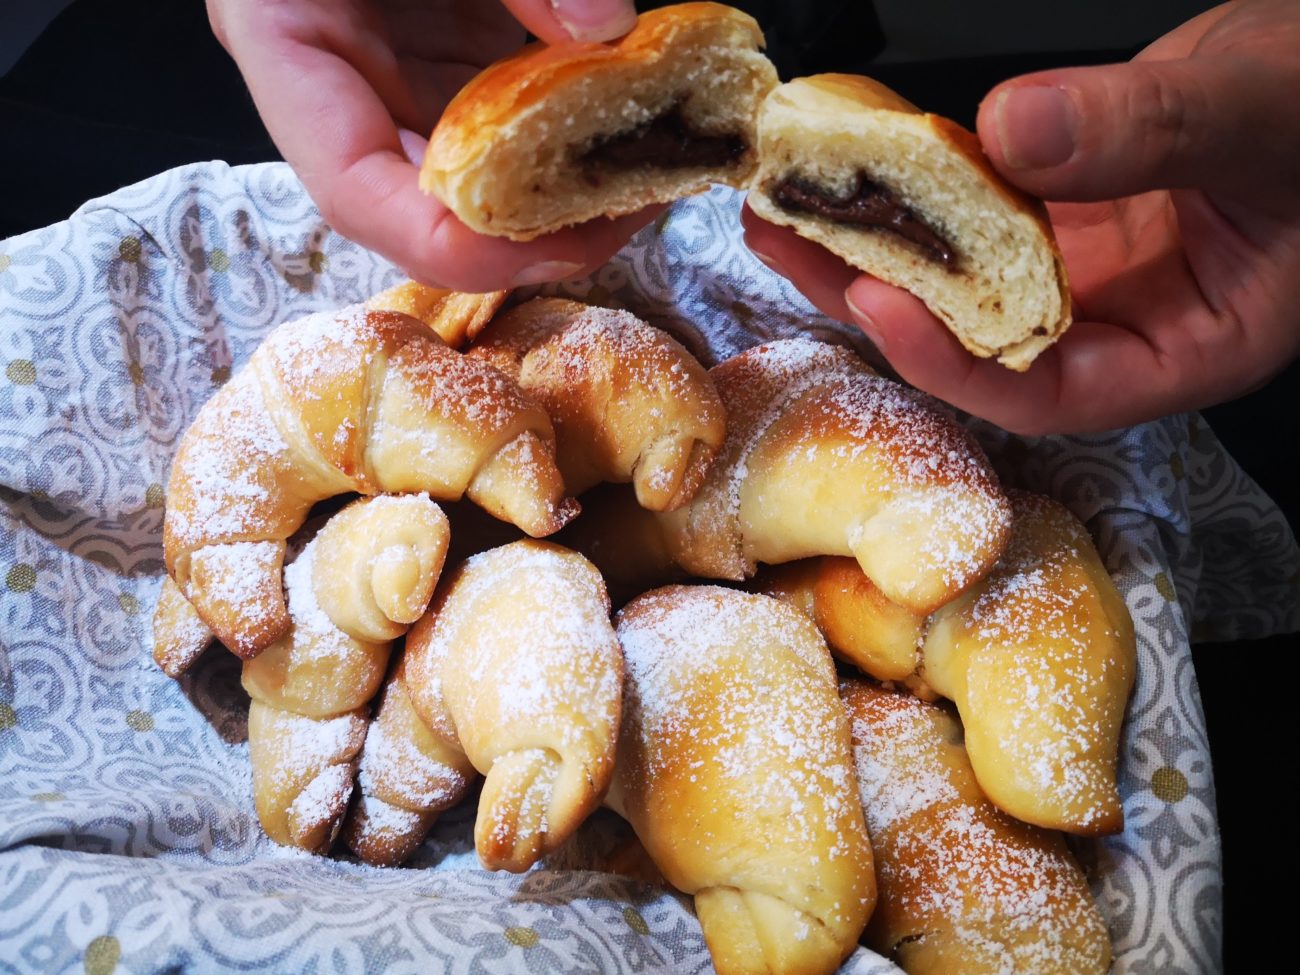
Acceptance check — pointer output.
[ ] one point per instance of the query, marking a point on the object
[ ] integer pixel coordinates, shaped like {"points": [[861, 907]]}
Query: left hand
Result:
{"points": [[350, 91]]}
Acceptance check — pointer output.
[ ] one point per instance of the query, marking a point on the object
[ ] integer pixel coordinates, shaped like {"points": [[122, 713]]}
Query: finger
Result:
{"points": [[577, 20], [816, 272], [468, 261], [341, 140], [1097, 377], [1208, 122]]}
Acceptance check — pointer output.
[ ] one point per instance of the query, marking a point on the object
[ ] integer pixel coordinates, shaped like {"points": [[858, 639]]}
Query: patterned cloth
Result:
{"points": [[128, 840]]}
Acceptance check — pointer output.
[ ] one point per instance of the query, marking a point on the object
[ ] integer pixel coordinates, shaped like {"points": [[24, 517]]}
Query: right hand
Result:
{"points": [[350, 90], [1176, 204]]}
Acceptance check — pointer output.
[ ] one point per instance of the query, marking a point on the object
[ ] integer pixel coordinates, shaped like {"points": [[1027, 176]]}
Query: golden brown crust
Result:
{"points": [[355, 400], [528, 76], [517, 664], [1003, 290], [963, 887], [1040, 658], [629, 403], [179, 634], [456, 317], [734, 769], [510, 154], [409, 774], [823, 457], [860, 625]]}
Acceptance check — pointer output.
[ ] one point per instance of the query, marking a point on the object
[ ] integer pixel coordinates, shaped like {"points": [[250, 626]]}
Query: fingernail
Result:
{"points": [[864, 322], [545, 272], [1037, 128], [413, 145], [595, 20], [768, 260]]}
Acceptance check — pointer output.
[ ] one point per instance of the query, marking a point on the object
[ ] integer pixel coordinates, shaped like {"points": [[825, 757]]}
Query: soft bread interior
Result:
{"points": [[534, 174], [1006, 295]]}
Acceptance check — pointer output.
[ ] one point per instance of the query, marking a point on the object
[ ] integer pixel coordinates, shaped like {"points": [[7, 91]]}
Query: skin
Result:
{"points": [[1174, 183], [350, 89]]}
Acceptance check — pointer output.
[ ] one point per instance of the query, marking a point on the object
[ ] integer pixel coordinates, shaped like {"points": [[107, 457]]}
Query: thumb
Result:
{"points": [[1104, 132], [577, 20]]}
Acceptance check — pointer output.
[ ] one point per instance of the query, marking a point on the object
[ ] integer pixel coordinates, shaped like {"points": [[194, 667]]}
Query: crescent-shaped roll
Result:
{"points": [[517, 667], [179, 634], [962, 886], [1040, 659], [560, 134], [735, 770], [311, 689], [629, 403], [824, 457], [456, 317], [356, 400], [409, 773], [378, 562]]}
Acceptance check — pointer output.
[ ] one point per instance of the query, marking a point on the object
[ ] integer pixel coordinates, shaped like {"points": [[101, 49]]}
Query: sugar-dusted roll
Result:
{"points": [[334, 403], [824, 457], [910, 198], [514, 672], [559, 135], [409, 773], [311, 690], [1040, 659], [735, 770], [629, 403], [962, 886]]}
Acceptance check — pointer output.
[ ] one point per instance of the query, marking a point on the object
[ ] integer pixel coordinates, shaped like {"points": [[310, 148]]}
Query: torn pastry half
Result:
{"points": [[561, 134], [910, 198]]}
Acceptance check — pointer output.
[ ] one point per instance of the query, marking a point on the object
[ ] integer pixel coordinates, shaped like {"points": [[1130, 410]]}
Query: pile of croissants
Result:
{"points": [[806, 558]]}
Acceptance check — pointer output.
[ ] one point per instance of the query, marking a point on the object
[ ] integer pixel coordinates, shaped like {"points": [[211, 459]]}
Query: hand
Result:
{"points": [[350, 90], [1179, 176]]}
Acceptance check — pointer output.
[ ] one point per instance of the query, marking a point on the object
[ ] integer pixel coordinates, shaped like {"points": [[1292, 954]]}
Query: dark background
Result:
{"points": [[114, 91]]}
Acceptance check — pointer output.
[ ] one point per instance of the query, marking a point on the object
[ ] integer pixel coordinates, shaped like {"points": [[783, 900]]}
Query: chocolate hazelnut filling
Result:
{"points": [[869, 205], [665, 142]]}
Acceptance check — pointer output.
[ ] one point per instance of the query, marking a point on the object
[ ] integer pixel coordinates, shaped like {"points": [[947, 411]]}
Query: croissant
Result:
{"points": [[963, 887], [1040, 659], [735, 770], [823, 457], [354, 401], [516, 668], [628, 402], [456, 317], [409, 773], [311, 689]]}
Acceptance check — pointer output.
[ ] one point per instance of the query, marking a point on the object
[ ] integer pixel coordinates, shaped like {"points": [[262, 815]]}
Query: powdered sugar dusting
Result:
{"points": [[236, 581], [316, 742], [1049, 667], [394, 765], [927, 477], [324, 799], [731, 701], [611, 383], [754, 387], [556, 615], [224, 475], [315, 635], [947, 860]]}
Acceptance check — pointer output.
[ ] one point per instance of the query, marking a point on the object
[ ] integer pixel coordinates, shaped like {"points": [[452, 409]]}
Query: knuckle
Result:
{"points": [[1162, 105]]}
